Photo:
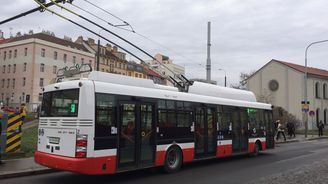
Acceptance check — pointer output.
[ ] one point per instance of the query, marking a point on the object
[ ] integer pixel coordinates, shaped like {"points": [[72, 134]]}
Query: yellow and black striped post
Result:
{"points": [[14, 133]]}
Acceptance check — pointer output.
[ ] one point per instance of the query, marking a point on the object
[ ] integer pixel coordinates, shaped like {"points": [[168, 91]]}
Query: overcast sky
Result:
{"points": [[246, 34]]}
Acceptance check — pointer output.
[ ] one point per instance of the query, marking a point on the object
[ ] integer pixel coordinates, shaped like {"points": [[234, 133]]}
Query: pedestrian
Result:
{"points": [[23, 111], [280, 131], [289, 129], [321, 127]]}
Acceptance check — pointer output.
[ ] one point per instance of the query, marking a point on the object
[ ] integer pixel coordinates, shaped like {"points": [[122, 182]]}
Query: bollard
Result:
{"points": [[13, 133]]}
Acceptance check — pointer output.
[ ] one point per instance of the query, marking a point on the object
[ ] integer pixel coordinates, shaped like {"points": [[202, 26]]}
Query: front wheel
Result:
{"points": [[173, 160]]}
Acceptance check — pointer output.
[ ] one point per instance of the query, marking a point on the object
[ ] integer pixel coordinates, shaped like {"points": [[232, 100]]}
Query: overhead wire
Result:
{"points": [[181, 77], [132, 29], [89, 30]]}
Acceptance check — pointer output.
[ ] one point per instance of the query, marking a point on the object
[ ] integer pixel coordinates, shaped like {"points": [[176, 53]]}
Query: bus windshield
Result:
{"points": [[62, 103]]}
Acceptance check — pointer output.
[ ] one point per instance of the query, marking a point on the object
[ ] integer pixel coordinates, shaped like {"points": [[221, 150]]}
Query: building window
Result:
{"points": [[10, 54], [82, 61], [12, 96], [2, 96], [74, 60], [15, 53], [9, 68], [41, 82], [4, 55], [24, 81], [325, 114], [317, 90], [14, 81], [8, 83], [14, 69], [4, 69], [55, 55], [24, 67], [65, 58], [25, 52], [325, 95], [54, 71], [23, 97], [42, 67], [3, 83], [317, 114], [43, 52]]}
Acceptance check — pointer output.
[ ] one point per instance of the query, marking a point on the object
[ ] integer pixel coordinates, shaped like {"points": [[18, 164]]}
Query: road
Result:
{"points": [[300, 162]]}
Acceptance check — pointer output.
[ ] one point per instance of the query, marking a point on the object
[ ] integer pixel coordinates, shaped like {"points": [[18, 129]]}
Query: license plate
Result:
{"points": [[54, 140]]}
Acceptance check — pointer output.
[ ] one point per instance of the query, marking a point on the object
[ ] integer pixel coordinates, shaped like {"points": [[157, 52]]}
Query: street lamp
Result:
{"points": [[225, 76], [305, 83], [98, 51]]}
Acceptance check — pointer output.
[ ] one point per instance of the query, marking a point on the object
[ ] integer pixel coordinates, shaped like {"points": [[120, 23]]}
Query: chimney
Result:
{"points": [[108, 47], [79, 40], [91, 41], [115, 48], [1, 35]]}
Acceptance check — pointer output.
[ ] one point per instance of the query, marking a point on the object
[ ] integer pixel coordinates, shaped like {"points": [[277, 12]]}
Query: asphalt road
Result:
{"points": [[297, 163]]}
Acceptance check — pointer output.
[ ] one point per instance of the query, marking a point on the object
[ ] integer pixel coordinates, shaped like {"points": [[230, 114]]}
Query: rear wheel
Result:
{"points": [[173, 160]]}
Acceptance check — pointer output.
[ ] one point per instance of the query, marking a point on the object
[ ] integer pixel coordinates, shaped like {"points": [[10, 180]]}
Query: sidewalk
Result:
{"points": [[21, 167], [299, 138]]}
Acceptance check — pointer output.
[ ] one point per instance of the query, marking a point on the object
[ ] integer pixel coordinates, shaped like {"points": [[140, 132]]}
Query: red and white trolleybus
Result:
{"points": [[107, 123]]}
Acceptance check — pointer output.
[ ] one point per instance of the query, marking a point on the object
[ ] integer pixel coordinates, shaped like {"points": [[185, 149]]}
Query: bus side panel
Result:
{"points": [[224, 148]]}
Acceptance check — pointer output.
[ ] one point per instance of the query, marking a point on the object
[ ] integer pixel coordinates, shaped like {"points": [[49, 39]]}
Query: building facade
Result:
{"points": [[165, 66], [29, 62], [282, 84]]}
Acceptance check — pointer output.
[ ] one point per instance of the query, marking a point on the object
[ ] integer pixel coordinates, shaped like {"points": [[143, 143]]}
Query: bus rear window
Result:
{"points": [[62, 103]]}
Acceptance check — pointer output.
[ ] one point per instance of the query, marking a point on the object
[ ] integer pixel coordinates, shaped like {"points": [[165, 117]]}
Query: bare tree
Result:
{"points": [[242, 80]]}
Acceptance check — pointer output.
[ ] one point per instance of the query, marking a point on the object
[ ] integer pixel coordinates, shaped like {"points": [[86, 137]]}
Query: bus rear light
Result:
{"points": [[81, 146]]}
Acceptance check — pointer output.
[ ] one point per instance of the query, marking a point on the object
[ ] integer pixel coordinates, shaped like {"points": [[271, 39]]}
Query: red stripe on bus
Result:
{"points": [[91, 166], [251, 146], [223, 150]]}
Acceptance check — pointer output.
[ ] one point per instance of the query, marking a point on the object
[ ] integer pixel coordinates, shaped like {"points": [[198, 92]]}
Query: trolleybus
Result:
{"points": [[106, 123]]}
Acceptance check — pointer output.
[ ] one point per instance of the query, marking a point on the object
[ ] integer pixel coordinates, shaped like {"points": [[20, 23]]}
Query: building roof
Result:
{"points": [[153, 73], [49, 38], [300, 68]]}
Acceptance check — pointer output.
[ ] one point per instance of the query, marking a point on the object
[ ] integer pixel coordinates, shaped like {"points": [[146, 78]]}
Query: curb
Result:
{"points": [[301, 140], [286, 142], [26, 173]]}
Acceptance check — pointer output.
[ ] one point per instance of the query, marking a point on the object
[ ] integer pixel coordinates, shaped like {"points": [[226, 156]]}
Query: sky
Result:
{"points": [[246, 34]]}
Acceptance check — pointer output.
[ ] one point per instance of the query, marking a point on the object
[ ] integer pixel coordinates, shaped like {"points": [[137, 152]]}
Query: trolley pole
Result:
{"points": [[98, 54]]}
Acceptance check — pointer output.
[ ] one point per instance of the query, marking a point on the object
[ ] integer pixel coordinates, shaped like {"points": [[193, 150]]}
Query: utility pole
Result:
{"points": [[208, 64], [98, 54]]}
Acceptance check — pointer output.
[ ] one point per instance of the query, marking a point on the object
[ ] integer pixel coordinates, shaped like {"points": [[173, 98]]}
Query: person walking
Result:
{"points": [[321, 127], [289, 130], [280, 131], [23, 113]]}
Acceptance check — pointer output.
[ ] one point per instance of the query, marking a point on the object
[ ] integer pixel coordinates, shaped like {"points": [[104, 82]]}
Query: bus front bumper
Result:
{"points": [[90, 166]]}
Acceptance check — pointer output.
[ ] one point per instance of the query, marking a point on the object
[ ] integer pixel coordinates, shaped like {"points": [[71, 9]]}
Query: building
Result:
{"points": [[29, 62], [165, 66], [282, 84], [114, 61]]}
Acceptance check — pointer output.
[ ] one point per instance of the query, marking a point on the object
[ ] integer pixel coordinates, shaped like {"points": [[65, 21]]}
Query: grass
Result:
{"points": [[28, 146]]}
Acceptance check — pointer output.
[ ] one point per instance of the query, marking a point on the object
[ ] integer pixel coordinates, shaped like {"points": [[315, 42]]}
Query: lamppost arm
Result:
{"points": [[305, 82]]}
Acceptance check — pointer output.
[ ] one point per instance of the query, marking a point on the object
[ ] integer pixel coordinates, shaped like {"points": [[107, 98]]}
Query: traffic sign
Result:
{"points": [[311, 113]]}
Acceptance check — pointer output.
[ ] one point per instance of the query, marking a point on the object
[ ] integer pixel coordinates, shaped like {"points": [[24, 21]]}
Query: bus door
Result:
{"points": [[205, 132], [269, 127], [239, 131], [136, 142]]}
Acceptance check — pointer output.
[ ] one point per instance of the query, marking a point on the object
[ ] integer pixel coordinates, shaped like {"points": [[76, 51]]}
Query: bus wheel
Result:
{"points": [[256, 150], [173, 160]]}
